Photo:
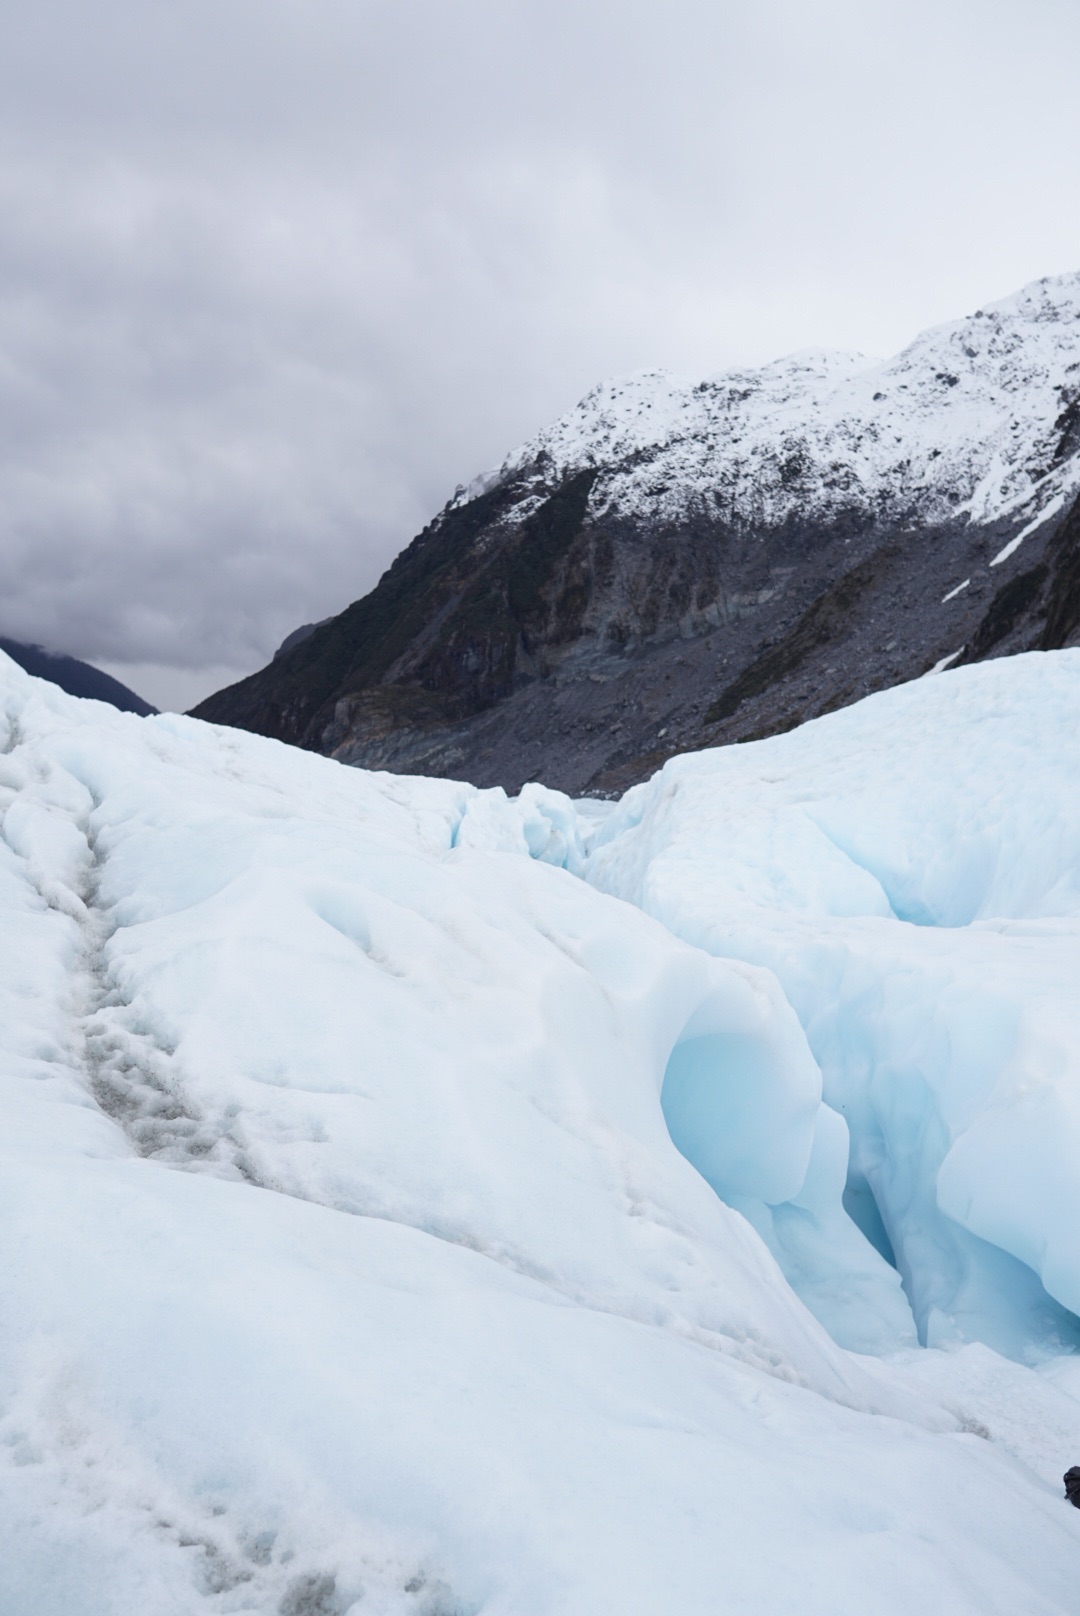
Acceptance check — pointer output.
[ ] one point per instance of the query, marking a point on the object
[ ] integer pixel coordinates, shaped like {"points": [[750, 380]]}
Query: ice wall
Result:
{"points": [[910, 870]]}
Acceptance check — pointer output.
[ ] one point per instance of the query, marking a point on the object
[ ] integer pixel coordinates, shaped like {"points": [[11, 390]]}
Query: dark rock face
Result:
{"points": [[298, 634], [1072, 1485], [77, 678], [672, 567], [582, 653]]}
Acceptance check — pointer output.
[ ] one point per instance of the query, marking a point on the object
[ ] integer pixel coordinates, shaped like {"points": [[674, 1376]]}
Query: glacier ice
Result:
{"points": [[910, 870], [350, 1264]]}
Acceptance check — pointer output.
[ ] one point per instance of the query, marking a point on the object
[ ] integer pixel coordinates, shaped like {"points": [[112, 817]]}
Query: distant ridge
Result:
{"points": [[297, 635], [77, 678], [678, 564]]}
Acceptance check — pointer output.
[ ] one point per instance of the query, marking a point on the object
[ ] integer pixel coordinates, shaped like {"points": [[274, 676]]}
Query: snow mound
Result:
{"points": [[350, 1267]]}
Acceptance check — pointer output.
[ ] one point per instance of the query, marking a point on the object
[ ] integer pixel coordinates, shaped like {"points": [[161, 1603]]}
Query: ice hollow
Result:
{"points": [[745, 1109], [740, 1104]]}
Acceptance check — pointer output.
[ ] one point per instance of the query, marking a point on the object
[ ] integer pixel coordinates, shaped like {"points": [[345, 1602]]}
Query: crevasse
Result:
{"points": [[910, 870]]}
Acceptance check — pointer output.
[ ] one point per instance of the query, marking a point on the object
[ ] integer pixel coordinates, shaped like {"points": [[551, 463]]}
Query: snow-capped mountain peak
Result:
{"points": [[678, 562], [960, 423]]}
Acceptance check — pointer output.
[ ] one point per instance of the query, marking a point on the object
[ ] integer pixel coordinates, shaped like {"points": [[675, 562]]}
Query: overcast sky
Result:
{"points": [[277, 275]]}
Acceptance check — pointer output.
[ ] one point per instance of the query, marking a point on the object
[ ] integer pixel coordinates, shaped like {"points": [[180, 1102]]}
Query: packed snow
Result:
{"points": [[969, 423], [417, 1202]]}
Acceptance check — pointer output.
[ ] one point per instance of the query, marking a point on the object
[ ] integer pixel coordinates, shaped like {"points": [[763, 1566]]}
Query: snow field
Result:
{"points": [[349, 1264]]}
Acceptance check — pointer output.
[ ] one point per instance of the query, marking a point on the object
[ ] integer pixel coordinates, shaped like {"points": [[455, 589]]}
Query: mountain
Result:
{"points": [[77, 678], [297, 635], [678, 564]]}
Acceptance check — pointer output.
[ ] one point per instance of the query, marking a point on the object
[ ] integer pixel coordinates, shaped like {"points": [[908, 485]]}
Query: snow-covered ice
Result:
{"points": [[399, 1222]]}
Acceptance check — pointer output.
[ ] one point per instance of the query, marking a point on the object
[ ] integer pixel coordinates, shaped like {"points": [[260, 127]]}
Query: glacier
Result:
{"points": [[418, 1201], [910, 870]]}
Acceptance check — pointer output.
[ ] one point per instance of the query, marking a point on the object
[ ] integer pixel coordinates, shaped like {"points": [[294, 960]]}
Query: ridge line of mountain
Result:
{"points": [[672, 565]]}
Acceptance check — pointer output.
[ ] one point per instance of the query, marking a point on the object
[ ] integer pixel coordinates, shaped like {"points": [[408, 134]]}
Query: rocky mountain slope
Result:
{"points": [[679, 564]]}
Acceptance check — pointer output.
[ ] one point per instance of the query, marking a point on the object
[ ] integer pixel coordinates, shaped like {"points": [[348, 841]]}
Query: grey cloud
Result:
{"points": [[275, 277]]}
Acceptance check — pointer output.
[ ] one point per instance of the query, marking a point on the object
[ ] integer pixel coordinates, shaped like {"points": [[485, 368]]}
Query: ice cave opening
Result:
{"points": [[877, 1279]]}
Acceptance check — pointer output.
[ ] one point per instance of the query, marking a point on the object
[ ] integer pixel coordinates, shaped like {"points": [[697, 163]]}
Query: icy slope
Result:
{"points": [[976, 419], [348, 1264], [910, 869]]}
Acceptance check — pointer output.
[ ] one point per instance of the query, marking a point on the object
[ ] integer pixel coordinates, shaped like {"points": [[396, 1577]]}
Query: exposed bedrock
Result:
{"points": [[673, 565]]}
